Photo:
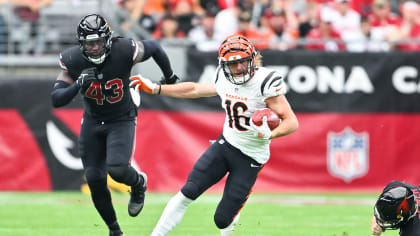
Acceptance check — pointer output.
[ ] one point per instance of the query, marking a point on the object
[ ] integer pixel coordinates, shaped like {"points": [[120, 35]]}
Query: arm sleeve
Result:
{"points": [[154, 50], [63, 93]]}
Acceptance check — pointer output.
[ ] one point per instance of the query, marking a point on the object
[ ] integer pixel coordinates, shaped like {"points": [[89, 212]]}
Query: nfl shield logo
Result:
{"points": [[347, 154]]}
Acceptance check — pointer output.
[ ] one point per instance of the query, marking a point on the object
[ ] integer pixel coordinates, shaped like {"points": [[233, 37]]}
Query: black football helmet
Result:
{"points": [[94, 35], [395, 207]]}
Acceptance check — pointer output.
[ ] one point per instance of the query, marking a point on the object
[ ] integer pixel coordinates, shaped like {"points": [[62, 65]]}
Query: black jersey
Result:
{"points": [[412, 227], [108, 98]]}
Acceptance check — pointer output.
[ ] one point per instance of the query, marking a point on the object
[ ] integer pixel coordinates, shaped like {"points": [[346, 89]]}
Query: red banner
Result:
{"points": [[329, 152], [169, 143]]}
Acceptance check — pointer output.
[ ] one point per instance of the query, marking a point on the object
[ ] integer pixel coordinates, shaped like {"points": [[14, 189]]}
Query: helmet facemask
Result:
{"points": [[239, 77], [387, 223], [237, 52], [95, 49], [94, 37]]}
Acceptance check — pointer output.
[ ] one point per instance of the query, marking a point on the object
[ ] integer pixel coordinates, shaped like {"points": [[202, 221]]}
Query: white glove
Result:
{"points": [[263, 131], [144, 84]]}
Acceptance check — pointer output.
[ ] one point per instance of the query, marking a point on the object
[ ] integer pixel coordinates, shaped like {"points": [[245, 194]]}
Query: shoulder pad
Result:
{"points": [[72, 60], [123, 48], [66, 56], [272, 84], [217, 74]]}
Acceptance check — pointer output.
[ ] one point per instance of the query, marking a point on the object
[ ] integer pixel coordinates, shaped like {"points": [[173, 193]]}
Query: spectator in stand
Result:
{"points": [[210, 6], [202, 35], [26, 15], [345, 20], [299, 6], [226, 4], [396, 6], [222, 29], [324, 37], [258, 9], [155, 8], [364, 41], [308, 19], [407, 35], [182, 11], [285, 6], [382, 19], [284, 36], [382, 14], [363, 7], [168, 29], [133, 20], [260, 39]]}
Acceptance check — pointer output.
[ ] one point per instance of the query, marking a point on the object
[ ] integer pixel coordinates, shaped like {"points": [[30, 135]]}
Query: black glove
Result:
{"points": [[86, 77], [170, 80]]}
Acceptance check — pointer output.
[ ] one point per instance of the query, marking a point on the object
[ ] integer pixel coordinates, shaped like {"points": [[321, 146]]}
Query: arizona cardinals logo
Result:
{"points": [[403, 207]]}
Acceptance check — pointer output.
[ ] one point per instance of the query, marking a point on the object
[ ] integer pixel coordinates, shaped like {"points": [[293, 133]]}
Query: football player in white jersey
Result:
{"points": [[243, 148]]}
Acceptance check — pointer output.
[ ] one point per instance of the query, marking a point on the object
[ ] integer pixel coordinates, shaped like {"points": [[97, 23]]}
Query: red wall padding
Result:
{"points": [[23, 166], [168, 144]]}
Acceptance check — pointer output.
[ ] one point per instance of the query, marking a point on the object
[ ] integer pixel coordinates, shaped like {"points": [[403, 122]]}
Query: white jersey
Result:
{"points": [[240, 102]]}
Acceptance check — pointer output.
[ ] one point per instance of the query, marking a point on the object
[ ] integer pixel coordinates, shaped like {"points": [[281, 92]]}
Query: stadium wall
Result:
{"points": [[359, 120]]}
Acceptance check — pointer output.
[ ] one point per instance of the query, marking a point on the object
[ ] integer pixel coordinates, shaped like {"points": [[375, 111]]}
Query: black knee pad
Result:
{"points": [[222, 221], [190, 190], [123, 174], [94, 175], [118, 173]]}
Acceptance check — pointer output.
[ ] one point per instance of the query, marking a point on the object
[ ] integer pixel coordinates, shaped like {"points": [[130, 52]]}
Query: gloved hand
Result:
{"points": [[145, 84], [263, 131], [170, 80], [86, 77]]}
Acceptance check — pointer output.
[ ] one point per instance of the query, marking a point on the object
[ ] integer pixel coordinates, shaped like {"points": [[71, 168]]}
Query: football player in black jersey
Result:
{"points": [[99, 68], [397, 208]]}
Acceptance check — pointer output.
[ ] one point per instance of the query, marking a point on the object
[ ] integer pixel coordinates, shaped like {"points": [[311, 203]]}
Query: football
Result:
{"points": [[272, 119]]}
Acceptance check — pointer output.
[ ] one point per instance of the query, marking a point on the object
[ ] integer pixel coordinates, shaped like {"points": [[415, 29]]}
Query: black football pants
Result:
{"points": [[219, 159], [107, 147]]}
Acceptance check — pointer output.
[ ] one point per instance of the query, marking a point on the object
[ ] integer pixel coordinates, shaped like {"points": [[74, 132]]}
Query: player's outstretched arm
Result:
{"points": [[180, 90], [151, 48]]}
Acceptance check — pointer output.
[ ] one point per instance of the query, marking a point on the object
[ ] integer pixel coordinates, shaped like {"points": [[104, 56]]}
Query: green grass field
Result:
{"points": [[72, 213]]}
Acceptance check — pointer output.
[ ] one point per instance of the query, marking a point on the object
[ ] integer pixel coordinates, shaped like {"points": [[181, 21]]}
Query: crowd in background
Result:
{"points": [[328, 25]]}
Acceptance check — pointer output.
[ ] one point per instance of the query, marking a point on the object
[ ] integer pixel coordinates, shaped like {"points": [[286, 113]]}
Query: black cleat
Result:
{"points": [[116, 233], [137, 197]]}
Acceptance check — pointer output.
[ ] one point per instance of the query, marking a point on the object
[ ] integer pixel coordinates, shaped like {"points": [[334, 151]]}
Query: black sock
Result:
{"points": [[102, 200], [140, 180]]}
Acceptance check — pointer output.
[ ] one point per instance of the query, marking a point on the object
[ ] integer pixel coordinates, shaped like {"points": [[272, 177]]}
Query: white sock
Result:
{"points": [[229, 230], [172, 214]]}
